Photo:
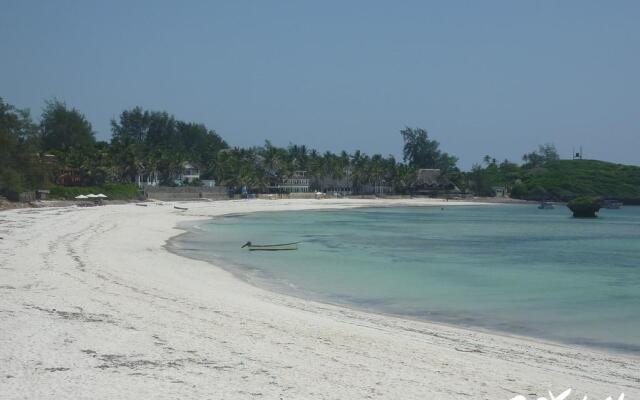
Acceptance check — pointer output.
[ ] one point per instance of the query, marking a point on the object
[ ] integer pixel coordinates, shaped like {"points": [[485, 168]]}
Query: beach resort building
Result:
{"points": [[345, 185], [69, 176], [378, 188], [431, 182], [147, 179], [501, 191], [335, 186], [190, 172], [296, 183], [428, 178]]}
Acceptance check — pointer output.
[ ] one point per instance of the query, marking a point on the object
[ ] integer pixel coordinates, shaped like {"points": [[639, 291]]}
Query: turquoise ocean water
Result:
{"points": [[514, 269]]}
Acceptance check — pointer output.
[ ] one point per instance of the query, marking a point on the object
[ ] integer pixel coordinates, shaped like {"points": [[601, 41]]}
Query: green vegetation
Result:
{"points": [[63, 129], [154, 143], [114, 191], [153, 146], [20, 168], [543, 176], [584, 207], [61, 152], [483, 180], [421, 152], [568, 179]]}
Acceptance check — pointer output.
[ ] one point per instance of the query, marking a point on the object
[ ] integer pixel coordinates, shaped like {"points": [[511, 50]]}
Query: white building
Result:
{"points": [[150, 179], [190, 172], [296, 183]]}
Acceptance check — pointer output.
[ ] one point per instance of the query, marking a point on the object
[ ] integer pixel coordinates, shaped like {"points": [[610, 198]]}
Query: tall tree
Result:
{"points": [[128, 138], [421, 152], [545, 153], [199, 144], [63, 128], [154, 142], [20, 166]]}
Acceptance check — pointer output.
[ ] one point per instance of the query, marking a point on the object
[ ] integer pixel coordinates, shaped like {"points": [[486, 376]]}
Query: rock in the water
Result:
{"points": [[585, 207]]}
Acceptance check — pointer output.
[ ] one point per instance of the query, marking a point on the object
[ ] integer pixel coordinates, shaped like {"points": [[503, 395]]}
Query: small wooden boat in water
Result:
{"points": [[271, 247]]}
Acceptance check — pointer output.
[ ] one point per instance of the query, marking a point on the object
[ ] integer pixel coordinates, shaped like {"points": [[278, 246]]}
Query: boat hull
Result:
{"points": [[273, 247]]}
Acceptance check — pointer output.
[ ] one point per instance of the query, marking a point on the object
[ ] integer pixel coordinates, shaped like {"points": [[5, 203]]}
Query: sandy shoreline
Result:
{"points": [[93, 306]]}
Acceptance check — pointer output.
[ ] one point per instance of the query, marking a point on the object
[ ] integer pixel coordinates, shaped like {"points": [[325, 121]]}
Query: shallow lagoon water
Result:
{"points": [[515, 269]]}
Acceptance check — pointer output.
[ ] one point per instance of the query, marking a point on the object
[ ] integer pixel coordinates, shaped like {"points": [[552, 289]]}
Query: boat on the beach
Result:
{"points": [[270, 247], [180, 208]]}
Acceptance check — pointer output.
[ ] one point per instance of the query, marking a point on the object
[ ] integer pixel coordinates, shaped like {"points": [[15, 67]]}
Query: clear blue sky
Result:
{"points": [[484, 77]]}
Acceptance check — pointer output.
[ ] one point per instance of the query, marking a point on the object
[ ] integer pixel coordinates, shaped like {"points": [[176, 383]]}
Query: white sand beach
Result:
{"points": [[92, 306]]}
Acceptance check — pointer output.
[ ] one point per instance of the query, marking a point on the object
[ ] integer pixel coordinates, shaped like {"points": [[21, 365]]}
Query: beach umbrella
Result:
{"points": [[81, 197], [92, 196], [101, 196]]}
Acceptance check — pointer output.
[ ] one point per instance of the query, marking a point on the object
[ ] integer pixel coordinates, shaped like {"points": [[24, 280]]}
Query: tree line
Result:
{"points": [[155, 143], [484, 178]]}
